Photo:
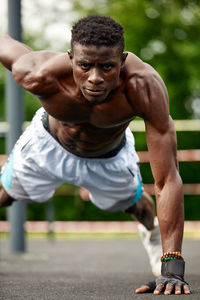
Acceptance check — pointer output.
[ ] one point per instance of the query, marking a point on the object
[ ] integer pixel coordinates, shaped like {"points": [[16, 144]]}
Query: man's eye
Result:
{"points": [[107, 67], [85, 66]]}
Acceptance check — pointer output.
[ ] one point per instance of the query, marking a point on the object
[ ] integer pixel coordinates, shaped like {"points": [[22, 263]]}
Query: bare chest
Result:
{"points": [[85, 129], [70, 108]]}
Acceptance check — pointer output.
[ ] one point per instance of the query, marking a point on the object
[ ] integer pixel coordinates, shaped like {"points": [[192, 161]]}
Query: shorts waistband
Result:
{"points": [[109, 154], [45, 121]]}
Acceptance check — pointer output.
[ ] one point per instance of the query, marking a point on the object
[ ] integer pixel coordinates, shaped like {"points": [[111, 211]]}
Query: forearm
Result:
{"points": [[170, 210], [11, 50]]}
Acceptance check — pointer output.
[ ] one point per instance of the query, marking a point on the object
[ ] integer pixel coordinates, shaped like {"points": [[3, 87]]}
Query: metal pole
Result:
{"points": [[15, 116]]}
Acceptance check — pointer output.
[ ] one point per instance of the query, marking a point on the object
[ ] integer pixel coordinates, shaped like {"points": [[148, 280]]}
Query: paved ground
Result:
{"points": [[101, 269]]}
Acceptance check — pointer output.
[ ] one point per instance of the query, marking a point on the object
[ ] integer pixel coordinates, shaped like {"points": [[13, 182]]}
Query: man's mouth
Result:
{"points": [[94, 92]]}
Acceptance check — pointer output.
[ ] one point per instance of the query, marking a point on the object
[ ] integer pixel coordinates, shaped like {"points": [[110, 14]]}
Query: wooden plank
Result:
{"points": [[180, 125], [183, 155], [188, 188], [90, 226], [135, 126]]}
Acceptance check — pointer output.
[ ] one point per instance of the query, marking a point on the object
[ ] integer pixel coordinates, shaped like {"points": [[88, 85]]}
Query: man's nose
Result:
{"points": [[95, 77]]}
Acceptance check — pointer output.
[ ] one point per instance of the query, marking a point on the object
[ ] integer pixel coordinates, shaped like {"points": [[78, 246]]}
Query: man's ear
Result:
{"points": [[124, 56], [70, 54]]}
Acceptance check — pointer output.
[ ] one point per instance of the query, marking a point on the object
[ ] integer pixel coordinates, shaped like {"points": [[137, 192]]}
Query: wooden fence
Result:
{"points": [[190, 155]]}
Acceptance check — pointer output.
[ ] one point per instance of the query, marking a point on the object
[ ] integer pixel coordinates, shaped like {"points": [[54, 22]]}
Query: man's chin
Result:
{"points": [[95, 100]]}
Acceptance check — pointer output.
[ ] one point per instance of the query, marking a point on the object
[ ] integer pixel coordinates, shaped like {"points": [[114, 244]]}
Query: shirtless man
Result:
{"points": [[81, 136]]}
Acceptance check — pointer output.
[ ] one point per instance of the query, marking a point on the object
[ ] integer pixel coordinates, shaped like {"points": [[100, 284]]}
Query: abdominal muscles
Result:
{"points": [[87, 140]]}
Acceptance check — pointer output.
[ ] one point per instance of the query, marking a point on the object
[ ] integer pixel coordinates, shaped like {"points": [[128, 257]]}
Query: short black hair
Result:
{"points": [[98, 30]]}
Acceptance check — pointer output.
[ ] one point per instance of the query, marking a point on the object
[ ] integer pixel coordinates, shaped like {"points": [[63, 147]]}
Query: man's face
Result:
{"points": [[96, 70]]}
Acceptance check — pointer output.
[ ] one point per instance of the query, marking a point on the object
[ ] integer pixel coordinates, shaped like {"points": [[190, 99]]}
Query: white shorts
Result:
{"points": [[38, 164]]}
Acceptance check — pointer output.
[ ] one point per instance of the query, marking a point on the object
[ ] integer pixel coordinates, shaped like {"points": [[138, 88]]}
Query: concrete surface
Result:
{"points": [[101, 269]]}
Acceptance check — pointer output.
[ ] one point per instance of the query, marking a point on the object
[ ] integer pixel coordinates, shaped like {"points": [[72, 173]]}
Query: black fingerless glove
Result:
{"points": [[172, 271]]}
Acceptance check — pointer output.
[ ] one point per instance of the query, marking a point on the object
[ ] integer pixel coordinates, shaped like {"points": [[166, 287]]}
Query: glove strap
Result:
{"points": [[173, 267]]}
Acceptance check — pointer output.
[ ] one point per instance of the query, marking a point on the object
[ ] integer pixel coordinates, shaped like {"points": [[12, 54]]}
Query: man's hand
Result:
{"points": [[170, 282], [164, 285]]}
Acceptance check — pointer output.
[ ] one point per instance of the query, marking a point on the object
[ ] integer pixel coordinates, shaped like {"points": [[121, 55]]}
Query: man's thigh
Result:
{"points": [[5, 199]]}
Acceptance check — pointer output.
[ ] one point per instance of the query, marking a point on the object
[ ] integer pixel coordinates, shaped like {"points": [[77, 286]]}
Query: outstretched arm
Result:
{"points": [[161, 142], [150, 100], [35, 71]]}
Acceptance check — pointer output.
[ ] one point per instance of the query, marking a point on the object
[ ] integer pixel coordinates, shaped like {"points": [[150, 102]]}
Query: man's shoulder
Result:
{"points": [[144, 86], [51, 57], [139, 74], [53, 65], [135, 67]]}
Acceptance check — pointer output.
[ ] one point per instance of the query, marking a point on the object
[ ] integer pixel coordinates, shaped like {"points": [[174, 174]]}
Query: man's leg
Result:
{"points": [[5, 199], [144, 212], [84, 194]]}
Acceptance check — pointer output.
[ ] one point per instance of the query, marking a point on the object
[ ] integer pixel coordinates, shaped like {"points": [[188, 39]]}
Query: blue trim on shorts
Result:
{"points": [[138, 192], [7, 172]]}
